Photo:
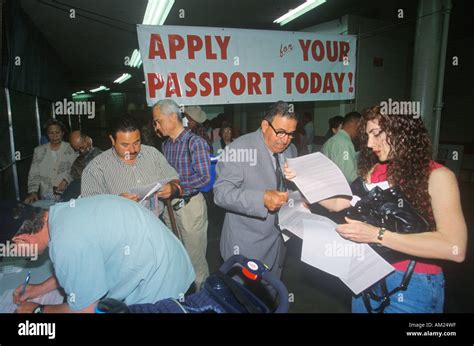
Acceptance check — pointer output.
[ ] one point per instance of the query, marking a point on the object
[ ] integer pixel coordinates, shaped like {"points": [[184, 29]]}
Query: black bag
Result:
{"points": [[389, 209]]}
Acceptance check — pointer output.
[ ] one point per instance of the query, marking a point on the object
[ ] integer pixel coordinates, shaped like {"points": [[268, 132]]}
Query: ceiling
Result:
{"points": [[94, 44]]}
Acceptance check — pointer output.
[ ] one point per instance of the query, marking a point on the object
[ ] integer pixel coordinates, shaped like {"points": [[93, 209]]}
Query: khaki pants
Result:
{"points": [[192, 223]]}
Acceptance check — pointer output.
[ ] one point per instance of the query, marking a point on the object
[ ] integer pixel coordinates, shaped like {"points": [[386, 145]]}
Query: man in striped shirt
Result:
{"points": [[128, 165], [189, 155]]}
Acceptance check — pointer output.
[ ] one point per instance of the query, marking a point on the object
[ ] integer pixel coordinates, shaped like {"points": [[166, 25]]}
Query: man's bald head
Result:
{"points": [[80, 142], [75, 137]]}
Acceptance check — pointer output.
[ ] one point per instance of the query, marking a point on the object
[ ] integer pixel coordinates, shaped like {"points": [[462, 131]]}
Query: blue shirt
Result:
{"points": [[109, 246], [188, 154]]}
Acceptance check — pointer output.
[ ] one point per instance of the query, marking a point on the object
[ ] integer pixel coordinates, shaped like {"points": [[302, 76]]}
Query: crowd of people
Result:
{"points": [[110, 219]]}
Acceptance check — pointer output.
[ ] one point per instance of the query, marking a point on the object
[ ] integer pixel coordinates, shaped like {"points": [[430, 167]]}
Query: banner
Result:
{"points": [[203, 66]]}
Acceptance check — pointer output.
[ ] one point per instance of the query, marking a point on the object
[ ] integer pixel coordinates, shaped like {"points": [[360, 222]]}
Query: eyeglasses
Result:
{"points": [[282, 133]]}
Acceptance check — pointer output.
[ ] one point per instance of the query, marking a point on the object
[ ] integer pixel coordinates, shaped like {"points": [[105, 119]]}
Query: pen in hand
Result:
{"points": [[27, 280]]}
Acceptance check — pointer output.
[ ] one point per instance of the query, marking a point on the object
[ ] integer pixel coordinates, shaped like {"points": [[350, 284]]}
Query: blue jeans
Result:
{"points": [[424, 294]]}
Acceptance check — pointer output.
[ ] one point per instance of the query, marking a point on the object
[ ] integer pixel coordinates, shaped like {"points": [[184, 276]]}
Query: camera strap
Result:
{"points": [[384, 298]]}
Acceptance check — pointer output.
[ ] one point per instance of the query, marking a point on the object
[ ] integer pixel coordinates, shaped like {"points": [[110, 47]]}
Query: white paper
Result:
{"points": [[318, 178], [364, 274], [288, 214], [294, 205], [295, 225], [294, 228], [357, 265], [321, 245], [143, 192], [51, 298]]}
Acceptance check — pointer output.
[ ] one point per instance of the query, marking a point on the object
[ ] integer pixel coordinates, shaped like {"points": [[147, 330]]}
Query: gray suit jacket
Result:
{"points": [[249, 228]]}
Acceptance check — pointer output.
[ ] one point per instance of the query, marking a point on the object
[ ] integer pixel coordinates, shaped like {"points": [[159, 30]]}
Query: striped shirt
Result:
{"points": [[189, 155], [108, 174]]}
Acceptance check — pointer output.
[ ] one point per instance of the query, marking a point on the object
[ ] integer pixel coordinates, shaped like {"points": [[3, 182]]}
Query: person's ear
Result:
{"points": [[112, 140], [22, 238], [264, 125]]}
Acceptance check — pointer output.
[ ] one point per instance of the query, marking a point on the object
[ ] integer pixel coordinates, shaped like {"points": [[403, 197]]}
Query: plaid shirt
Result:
{"points": [[189, 155]]}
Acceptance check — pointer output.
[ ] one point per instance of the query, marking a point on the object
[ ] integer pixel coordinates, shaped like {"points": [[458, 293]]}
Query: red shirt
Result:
{"points": [[379, 175]]}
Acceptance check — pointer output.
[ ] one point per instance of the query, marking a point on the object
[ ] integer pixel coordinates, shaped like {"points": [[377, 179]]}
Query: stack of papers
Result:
{"points": [[357, 265], [318, 178]]}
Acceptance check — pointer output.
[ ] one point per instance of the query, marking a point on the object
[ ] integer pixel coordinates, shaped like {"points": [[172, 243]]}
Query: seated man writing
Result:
{"points": [[104, 246]]}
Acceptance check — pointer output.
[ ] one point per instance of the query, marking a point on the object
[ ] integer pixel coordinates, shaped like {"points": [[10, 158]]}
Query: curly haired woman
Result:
{"points": [[397, 149]]}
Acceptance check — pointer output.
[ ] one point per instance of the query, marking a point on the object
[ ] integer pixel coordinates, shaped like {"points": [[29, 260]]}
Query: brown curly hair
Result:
{"points": [[409, 158]]}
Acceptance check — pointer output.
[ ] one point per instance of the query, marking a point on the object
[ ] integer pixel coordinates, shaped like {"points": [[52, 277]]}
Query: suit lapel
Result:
{"points": [[266, 165]]}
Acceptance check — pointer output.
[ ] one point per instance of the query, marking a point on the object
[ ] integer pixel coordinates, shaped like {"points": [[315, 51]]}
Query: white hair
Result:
{"points": [[168, 107]]}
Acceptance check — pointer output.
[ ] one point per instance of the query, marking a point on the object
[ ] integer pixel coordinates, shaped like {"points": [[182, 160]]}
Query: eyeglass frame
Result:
{"points": [[281, 133]]}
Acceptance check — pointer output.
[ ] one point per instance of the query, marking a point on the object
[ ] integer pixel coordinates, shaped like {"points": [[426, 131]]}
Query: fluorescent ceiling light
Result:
{"points": [[123, 78], [78, 92], [157, 11], [99, 89], [299, 11], [136, 59], [155, 14]]}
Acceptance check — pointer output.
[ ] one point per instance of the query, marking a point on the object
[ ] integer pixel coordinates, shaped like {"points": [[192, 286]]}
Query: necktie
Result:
{"points": [[281, 185]]}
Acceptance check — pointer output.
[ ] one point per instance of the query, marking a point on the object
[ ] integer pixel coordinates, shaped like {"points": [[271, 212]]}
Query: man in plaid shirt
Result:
{"points": [[188, 154]]}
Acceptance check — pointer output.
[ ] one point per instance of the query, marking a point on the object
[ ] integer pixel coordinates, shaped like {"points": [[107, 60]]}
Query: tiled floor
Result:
{"points": [[316, 291]]}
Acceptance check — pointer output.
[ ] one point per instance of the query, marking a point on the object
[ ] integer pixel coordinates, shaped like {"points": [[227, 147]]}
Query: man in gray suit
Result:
{"points": [[253, 192]]}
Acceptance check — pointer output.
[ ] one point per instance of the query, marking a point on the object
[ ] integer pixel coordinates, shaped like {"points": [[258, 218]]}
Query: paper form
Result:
{"points": [[143, 192], [318, 178]]}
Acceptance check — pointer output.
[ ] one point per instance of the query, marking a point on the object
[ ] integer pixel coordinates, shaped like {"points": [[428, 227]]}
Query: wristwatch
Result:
{"points": [[39, 309]]}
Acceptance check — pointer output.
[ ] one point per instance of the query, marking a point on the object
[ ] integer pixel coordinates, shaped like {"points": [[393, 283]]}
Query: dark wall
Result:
{"points": [[32, 65]]}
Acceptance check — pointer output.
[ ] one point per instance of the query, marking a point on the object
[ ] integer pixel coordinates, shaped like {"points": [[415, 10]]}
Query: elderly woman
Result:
{"points": [[396, 149], [51, 165]]}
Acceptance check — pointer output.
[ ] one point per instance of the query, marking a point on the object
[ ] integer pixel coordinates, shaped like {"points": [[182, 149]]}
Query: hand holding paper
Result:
{"points": [[289, 173], [165, 191], [274, 200], [143, 192], [357, 265]]}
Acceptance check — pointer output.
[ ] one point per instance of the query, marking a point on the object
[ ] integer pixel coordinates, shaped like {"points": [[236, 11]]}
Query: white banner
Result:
{"points": [[203, 66]]}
